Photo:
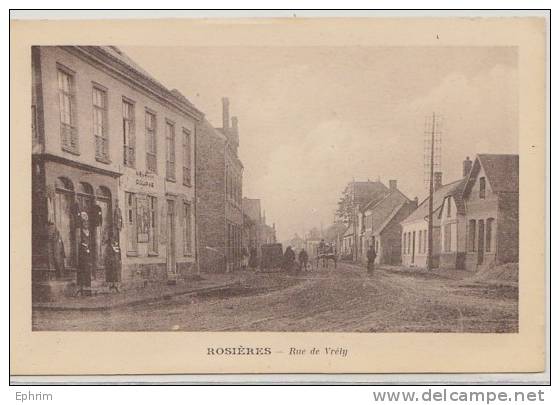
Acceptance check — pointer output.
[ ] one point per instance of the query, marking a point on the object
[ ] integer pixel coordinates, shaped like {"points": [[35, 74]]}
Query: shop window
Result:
{"points": [[152, 233], [100, 132], [170, 150], [67, 107], [489, 232], [128, 133], [131, 231]]}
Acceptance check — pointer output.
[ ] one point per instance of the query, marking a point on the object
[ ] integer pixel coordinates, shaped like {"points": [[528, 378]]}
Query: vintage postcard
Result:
{"points": [[325, 195]]}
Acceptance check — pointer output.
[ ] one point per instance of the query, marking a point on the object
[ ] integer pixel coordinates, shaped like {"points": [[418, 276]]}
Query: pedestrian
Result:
{"points": [[253, 259], [83, 278], [303, 259], [371, 255], [244, 258], [112, 263], [289, 258]]}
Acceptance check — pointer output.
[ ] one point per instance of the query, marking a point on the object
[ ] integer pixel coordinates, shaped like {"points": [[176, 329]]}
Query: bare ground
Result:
{"points": [[341, 300]]}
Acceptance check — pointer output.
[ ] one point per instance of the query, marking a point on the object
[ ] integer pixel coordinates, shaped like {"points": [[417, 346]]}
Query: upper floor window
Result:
{"points": [[187, 169], [67, 106], [170, 150], [128, 133], [100, 133], [151, 142], [482, 183]]}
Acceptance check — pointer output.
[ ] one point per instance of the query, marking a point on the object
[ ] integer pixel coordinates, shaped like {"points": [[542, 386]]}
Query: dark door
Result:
{"points": [[481, 239]]}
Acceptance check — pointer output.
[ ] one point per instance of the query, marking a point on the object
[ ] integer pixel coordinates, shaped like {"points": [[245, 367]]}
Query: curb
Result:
{"points": [[139, 301]]}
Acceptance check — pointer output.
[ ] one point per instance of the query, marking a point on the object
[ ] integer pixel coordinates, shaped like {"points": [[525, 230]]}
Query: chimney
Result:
{"points": [[438, 180], [225, 113], [467, 166], [392, 185]]}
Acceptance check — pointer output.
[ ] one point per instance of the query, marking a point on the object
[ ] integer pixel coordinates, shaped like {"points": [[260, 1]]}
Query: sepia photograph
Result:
{"points": [[278, 195], [275, 189]]}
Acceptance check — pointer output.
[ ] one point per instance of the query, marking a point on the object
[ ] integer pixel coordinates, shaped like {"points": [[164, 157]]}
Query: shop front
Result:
{"points": [[74, 205]]}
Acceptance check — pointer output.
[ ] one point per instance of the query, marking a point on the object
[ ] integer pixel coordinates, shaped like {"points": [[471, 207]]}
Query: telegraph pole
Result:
{"points": [[432, 161], [431, 198]]}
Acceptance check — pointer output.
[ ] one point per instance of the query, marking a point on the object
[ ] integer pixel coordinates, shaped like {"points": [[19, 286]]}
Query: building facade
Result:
{"points": [[452, 223], [415, 227], [491, 197], [381, 226], [113, 143], [361, 194], [220, 184]]}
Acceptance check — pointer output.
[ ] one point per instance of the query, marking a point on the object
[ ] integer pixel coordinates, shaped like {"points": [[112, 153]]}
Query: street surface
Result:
{"points": [[341, 300]]}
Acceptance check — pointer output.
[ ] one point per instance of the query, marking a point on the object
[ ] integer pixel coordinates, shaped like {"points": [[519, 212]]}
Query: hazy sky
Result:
{"points": [[313, 118]]}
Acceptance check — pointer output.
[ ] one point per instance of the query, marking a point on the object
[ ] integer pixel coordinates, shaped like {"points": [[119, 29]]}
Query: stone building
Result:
{"points": [[256, 232], [381, 225], [491, 198], [415, 226], [450, 218], [219, 192], [110, 141], [360, 194]]}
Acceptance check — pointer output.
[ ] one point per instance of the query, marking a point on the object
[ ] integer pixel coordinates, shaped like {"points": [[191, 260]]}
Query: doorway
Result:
{"points": [[171, 242]]}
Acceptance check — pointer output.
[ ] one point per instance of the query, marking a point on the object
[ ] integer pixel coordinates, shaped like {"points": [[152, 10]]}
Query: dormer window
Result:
{"points": [[482, 192]]}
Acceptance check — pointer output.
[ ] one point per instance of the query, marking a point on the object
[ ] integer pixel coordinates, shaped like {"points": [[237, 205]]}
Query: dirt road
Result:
{"points": [[341, 300]]}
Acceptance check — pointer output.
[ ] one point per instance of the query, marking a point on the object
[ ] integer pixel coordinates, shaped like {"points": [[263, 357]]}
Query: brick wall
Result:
{"points": [[507, 241], [210, 183]]}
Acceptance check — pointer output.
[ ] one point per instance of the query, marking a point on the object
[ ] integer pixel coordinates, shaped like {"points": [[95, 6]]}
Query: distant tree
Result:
{"points": [[314, 233], [344, 210]]}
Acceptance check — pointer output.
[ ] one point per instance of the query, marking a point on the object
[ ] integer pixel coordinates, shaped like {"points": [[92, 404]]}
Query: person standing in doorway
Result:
{"points": [[83, 278]]}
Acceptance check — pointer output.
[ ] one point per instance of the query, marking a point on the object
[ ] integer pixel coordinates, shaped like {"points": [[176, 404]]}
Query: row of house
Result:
{"points": [[475, 219], [120, 158]]}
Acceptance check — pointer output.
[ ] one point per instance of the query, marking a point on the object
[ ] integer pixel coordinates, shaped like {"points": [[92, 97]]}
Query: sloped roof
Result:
{"points": [[502, 172], [386, 208], [439, 195], [366, 192], [348, 232], [121, 58]]}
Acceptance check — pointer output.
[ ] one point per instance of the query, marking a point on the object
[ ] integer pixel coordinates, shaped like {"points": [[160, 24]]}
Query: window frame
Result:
{"points": [[482, 188], [187, 160], [151, 141], [129, 149], [72, 145], [170, 151], [104, 156]]}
